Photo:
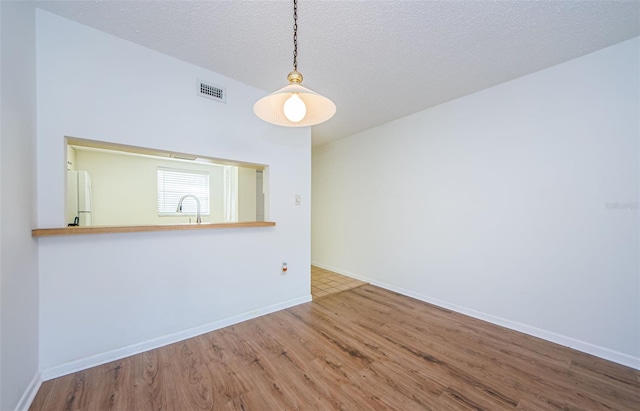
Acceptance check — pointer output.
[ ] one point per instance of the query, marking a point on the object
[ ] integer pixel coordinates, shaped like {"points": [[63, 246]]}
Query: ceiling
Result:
{"points": [[377, 60]]}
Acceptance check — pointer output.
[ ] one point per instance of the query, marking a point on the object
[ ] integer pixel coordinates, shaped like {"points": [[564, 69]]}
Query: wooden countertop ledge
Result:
{"points": [[47, 232]]}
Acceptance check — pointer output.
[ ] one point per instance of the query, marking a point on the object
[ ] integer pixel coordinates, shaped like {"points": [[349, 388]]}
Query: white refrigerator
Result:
{"points": [[78, 198]]}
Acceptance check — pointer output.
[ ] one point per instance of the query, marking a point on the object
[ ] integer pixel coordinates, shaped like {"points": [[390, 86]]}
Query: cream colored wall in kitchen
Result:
{"points": [[71, 158], [125, 189], [246, 194]]}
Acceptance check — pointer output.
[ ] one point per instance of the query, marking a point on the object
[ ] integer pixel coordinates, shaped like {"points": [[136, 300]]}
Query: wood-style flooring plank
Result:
{"points": [[190, 376], [225, 381], [66, 393], [149, 394], [109, 385], [362, 349]]}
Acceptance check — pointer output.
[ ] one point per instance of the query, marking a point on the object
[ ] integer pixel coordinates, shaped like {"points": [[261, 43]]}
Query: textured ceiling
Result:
{"points": [[377, 60]]}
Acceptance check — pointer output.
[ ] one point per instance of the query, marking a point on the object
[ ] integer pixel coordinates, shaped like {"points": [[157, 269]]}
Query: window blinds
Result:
{"points": [[174, 183]]}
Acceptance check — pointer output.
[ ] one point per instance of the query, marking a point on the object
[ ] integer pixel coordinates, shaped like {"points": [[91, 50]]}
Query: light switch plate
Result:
{"points": [[298, 199]]}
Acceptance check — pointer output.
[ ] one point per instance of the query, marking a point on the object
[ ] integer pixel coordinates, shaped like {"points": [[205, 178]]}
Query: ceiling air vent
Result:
{"points": [[212, 91]]}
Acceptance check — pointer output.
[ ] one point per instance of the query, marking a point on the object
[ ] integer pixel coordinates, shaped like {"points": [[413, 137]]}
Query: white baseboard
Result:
{"points": [[30, 393], [103, 358], [579, 345]]}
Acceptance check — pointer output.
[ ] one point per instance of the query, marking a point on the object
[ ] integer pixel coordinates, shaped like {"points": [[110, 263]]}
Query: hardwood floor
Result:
{"points": [[361, 349]]}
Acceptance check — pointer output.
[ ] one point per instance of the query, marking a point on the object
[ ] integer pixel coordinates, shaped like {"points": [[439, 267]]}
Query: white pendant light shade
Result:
{"points": [[271, 108]]}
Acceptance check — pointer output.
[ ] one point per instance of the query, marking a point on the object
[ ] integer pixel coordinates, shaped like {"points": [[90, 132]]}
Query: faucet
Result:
{"points": [[179, 209]]}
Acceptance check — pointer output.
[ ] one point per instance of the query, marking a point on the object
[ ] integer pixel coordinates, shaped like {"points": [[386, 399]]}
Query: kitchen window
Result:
{"points": [[173, 184]]}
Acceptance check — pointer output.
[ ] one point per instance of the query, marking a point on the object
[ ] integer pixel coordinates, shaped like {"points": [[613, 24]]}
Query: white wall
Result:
{"points": [[517, 204], [18, 250], [125, 188], [106, 296]]}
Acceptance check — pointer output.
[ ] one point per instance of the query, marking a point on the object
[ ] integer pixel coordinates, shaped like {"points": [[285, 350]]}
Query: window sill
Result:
{"points": [[48, 232]]}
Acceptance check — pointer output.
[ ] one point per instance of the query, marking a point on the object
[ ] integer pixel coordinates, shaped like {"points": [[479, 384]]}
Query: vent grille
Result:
{"points": [[211, 91]]}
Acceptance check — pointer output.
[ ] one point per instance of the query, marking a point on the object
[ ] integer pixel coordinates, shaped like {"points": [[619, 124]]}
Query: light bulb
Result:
{"points": [[294, 108]]}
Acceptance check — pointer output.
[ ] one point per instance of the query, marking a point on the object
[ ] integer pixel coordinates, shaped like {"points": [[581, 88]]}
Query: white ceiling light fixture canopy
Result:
{"points": [[294, 105]]}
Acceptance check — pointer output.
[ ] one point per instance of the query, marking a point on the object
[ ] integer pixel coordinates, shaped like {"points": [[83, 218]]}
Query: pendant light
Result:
{"points": [[294, 105]]}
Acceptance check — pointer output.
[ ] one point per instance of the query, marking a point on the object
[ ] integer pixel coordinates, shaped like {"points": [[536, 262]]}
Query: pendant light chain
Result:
{"points": [[294, 105], [295, 35]]}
